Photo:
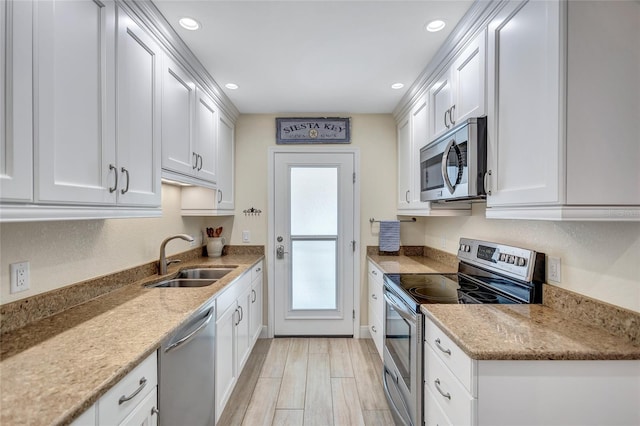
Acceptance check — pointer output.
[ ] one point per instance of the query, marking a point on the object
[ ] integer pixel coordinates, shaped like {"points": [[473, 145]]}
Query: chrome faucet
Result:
{"points": [[163, 263]]}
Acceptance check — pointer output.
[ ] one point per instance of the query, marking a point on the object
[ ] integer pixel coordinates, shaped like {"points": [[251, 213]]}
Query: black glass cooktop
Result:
{"points": [[417, 289]]}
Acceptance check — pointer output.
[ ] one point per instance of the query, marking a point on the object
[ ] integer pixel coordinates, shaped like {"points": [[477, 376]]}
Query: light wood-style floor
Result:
{"points": [[310, 381]]}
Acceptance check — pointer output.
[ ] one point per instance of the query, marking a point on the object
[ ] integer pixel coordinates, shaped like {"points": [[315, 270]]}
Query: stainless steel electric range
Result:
{"points": [[487, 273]]}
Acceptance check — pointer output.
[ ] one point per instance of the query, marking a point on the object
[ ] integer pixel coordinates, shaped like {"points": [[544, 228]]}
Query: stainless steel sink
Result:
{"points": [[181, 282], [204, 273]]}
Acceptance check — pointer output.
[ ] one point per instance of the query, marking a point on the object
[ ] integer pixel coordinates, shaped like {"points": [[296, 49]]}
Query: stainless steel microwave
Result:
{"points": [[452, 167]]}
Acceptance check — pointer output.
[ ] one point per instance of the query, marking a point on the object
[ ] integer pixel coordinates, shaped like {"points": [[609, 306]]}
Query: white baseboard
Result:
{"points": [[364, 332]]}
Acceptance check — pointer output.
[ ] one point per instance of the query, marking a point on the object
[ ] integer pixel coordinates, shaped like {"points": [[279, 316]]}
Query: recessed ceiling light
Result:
{"points": [[397, 86], [231, 86], [435, 26], [189, 24]]}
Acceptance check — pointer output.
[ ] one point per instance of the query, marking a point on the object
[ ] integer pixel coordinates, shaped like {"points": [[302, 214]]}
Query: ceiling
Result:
{"points": [[302, 56]]}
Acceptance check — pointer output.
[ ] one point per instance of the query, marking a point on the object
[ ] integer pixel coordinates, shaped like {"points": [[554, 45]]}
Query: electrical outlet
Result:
{"points": [[19, 276], [553, 273], [246, 236]]}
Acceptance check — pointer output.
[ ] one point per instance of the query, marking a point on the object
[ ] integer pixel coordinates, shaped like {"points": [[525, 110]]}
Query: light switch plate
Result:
{"points": [[246, 236], [553, 273]]}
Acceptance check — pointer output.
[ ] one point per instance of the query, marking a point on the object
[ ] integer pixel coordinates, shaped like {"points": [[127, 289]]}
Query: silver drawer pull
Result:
{"points": [[446, 395], [446, 351], [373, 328], [374, 297], [374, 272], [123, 399], [155, 411]]}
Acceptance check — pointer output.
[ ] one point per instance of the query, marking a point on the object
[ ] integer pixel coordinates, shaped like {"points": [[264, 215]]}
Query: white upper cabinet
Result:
{"points": [[75, 155], [189, 128], [205, 137], [138, 112], [178, 105], [563, 108], [459, 92], [16, 136], [226, 161], [404, 163]]}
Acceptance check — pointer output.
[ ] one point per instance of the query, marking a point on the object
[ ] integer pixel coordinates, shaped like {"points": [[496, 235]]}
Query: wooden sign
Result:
{"points": [[313, 130]]}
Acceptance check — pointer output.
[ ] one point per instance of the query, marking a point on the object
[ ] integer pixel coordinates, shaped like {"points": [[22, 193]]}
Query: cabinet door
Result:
{"points": [[255, 313], [178, 103], [524, 143], [419, 138], [225, 158], [404, 164], [243, 333], [225, 357], [16, 97], [74, 119], [145, 413], [138, 112], [441, 101], [205, 137], [468, 72]]}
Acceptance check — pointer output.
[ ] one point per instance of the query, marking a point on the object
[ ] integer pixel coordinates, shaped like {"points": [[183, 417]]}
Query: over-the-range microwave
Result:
{"points": [[452, 167]]}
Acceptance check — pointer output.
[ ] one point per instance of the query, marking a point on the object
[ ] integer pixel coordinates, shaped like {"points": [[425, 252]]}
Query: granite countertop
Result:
{"points": [[54, 369], [411, 264], [526, 332], [513, 332]]}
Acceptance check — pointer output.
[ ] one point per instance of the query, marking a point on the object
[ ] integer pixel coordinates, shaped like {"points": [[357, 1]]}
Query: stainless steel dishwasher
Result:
{"points": [[186, 372]]}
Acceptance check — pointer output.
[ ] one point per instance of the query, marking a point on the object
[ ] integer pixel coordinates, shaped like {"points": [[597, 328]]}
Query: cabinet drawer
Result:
{"points": [[433, 414], [142, 379], [257, 271], [451, 355], [375, 329], [456, 403], [231, 293], [375, 273], [376, 300]]}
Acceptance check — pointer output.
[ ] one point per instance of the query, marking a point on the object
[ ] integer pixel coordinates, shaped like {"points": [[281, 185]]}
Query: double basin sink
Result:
{"points": [[196, 277]]}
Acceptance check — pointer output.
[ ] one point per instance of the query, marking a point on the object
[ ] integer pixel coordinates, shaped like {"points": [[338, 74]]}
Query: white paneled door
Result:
{"points": [[314, 247]]}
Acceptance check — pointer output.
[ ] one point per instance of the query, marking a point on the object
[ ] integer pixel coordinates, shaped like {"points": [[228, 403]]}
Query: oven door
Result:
{"points": [[402, 360]]}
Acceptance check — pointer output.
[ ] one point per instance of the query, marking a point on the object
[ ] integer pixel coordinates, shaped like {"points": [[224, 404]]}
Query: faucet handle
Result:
{"points": [[169, 262]]}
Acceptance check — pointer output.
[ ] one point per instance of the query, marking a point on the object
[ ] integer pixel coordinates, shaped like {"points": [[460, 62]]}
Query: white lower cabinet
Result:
{"points": [[463, 391], [234, 338], [132, 401], [376, 306], [255, 310]]}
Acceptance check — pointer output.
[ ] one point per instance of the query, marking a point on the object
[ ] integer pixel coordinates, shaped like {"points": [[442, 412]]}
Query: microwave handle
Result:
{"points": [[445, 175]]}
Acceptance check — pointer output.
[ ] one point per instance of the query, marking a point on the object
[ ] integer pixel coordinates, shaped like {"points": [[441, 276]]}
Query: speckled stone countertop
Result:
{"points": [[54, 369], [526, 332], [410, 264]]}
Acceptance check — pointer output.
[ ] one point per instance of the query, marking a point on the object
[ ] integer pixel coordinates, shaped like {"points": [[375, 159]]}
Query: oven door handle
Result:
{"points": [[394, 407], [403, 312]]}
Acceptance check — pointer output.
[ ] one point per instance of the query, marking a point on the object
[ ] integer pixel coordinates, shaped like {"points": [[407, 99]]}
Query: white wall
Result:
{"points": [[599, 260], [63, 253], [373, 134]]}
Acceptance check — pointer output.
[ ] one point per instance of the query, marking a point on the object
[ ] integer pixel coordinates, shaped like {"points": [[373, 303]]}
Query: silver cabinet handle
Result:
{"points": [[126, 188], [259, 269], [219, 195], [154, 411], [200, 157], [373, 328], [437, 383], [195, 163], [115, 186], [451, 110], [241, 314], [255, 296], [237, 312], [374, 297], [446, 351], [406, 196], [445, 118], [486, 186], [123, 399], [188, 337], [374, 273]]}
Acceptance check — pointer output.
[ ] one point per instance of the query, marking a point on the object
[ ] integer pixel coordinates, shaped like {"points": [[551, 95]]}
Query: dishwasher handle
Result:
{"points": [[189, 336]]}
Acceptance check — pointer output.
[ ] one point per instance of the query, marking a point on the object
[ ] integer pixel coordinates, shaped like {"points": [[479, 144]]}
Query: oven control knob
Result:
{"points": [[512, 259], [503, 257], [467, 248], [522, 261], [461, 247]]}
